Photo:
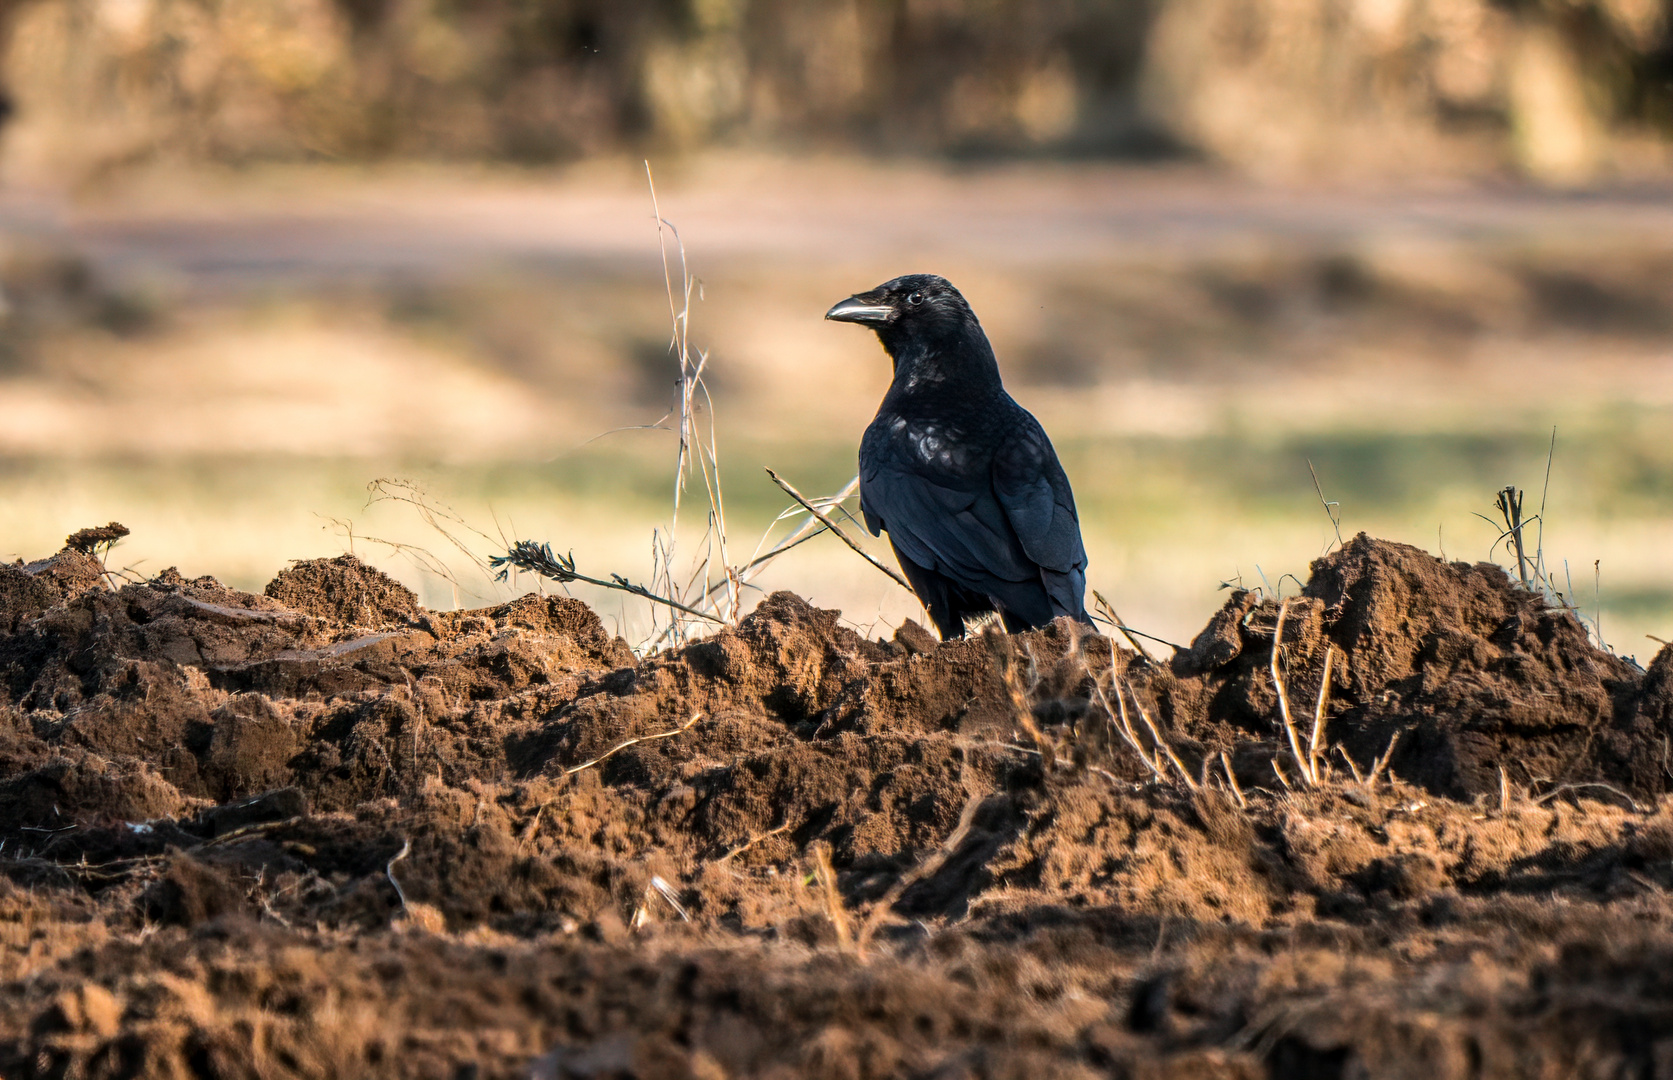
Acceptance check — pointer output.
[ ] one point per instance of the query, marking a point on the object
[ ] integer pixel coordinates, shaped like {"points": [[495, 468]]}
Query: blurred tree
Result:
{"points": [[1559, 88], [1551, 86]]}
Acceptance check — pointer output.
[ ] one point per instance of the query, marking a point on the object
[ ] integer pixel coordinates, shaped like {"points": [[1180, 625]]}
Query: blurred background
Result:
{"points": [[256, 254]]}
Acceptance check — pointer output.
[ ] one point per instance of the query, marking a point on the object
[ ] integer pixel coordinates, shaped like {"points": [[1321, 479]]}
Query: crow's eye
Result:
{"points": [[915, 299]]}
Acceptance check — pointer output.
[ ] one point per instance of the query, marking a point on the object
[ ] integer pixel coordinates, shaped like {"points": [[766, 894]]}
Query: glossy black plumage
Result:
{"points": [[977, 507]]}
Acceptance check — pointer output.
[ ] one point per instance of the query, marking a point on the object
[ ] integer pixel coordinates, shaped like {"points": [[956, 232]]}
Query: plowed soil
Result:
{"points": [[323, 832]]}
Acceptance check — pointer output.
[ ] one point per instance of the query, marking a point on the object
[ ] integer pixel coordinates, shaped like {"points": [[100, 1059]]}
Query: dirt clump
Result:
{"points": [[28, 589], [1471, 672], [344, 590], [322, 831]]}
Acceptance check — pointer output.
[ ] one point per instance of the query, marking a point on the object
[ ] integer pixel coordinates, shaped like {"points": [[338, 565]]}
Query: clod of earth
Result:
{"points": [[324, 831]]}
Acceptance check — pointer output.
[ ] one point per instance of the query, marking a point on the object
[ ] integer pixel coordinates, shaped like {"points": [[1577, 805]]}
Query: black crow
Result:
{"points": [[964, 479]]}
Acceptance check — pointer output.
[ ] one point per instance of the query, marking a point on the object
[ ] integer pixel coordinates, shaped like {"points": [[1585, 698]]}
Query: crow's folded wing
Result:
{"points": [[1034, 492], [951, 524]]}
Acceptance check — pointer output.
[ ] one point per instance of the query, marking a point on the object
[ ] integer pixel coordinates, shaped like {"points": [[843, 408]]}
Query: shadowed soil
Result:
{"points": [[324, 832]]}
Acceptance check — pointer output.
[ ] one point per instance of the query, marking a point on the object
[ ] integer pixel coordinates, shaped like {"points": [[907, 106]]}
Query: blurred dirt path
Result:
{"points": [[321, 226]]}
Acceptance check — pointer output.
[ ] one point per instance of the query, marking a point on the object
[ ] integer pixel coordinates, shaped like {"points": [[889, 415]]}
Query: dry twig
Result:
{"points": [[1108, 611], [1284, 699], [825, 520], [1121, 722], [1332, 510], [539, 559], [834, 909], [752, 841], [1561, 788], [389, 871], [1316, 741], [1231, 779], [1382, 762], [1359, 778], [1004, 655], [925, 869], [1161, 743], [630, 742]]}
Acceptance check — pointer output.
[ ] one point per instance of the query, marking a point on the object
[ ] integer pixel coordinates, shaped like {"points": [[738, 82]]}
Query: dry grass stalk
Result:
{"points": [[1231, 780], [527, 835], [1162, 744], [1332, 510], [1284, 698], [925, 869], [825, 520], [1309, 762], [1119, 720], [666, 891], [540, 559], [1108, 611], [691, 376], [571, 771], [1315, 744], [389, 871], [1510, 505], [834, 909], [1382, 762], [1359, 777], [752, 841], [441, 518], [248, 831], [1504, 791], [1005, 656], [1124, 725], [1632, 804]]}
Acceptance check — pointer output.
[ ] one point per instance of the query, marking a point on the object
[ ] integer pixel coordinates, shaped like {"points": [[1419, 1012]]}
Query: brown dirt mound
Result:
{"points": [[344, 590], [1472, 672], [325, 832]]}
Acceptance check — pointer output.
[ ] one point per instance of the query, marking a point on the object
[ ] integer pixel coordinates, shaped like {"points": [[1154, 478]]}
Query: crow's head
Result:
{"points": [[914, 308]]}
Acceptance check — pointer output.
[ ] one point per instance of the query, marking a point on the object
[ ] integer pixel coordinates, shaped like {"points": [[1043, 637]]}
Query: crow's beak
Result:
{"points": [[856, 309]]}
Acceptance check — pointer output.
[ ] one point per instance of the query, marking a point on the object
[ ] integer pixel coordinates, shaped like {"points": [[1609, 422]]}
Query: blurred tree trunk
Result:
{"points": [[1299, 87], [1554, 88]]}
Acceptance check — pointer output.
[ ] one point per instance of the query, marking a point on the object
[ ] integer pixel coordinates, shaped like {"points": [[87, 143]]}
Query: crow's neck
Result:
{"points": [[947, 370]]}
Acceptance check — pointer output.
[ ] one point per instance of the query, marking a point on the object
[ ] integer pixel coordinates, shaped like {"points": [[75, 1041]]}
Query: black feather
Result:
{"points": [[963, 479]]}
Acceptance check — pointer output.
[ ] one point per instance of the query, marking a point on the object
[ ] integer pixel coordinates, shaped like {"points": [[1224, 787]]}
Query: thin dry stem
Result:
{"points": [[1284, 699], [929, 866], [1107, 609], [389, 871], [1359, 778], [249, 831], [1382, 762], [1119, 719], [1231, 779], [1161, 743], [834, 909], [1124, 725], [1004, 654], [1553, 793], [824, 519], [752, 841], [666, 891], [1315, 744], [630, 742], [1332, 510]]}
